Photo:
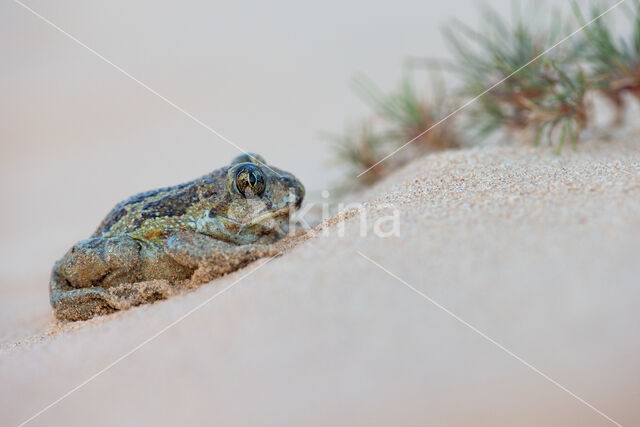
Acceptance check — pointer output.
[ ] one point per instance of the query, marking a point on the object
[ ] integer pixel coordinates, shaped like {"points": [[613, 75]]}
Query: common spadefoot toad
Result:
{"points": [[227, 218]]}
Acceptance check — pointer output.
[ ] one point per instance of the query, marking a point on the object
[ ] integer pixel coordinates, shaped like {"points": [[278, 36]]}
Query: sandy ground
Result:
{"points": [[537, 251]]}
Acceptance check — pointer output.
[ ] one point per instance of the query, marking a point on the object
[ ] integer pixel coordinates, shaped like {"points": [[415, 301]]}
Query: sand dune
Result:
{"points": [[538, 252]]}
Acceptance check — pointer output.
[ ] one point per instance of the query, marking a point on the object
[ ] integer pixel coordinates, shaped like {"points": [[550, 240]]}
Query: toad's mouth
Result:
{"points": [[262, 218], [272, 223], [280, 213]]}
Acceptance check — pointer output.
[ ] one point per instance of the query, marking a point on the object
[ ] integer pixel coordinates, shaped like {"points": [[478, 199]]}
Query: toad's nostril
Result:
{"points": [[288, 181], [295, 189]]}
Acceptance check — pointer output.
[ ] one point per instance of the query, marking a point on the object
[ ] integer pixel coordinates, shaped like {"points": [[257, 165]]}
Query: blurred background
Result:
{"points": [[78, 136]]}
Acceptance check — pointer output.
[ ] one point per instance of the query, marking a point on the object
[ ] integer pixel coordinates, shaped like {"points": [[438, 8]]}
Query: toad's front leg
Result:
{"points": [[212, 257]]}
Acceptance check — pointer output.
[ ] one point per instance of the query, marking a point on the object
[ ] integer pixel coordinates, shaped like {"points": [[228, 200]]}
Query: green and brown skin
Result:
{"points": [[227, 215]]}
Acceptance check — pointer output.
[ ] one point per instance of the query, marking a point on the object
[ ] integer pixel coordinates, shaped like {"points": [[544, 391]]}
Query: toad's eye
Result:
{"points": [[249, 180]]}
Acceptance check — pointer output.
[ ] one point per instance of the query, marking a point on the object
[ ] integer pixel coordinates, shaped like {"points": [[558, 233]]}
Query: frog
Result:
{"points": [[154, 240]]}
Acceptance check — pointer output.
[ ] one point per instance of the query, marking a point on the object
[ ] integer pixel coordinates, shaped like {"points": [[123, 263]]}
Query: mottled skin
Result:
{"points": [[226, 216]]}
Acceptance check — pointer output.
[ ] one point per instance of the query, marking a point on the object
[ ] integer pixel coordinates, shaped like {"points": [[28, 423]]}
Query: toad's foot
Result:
{"points": [[82, 304]]}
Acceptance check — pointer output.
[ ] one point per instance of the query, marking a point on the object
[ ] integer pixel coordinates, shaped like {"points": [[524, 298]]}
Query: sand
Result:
{"points": [[536, 251]]}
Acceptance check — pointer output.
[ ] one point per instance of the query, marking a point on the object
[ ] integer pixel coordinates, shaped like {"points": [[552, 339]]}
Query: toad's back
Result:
{"points": [[156, 211]]}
